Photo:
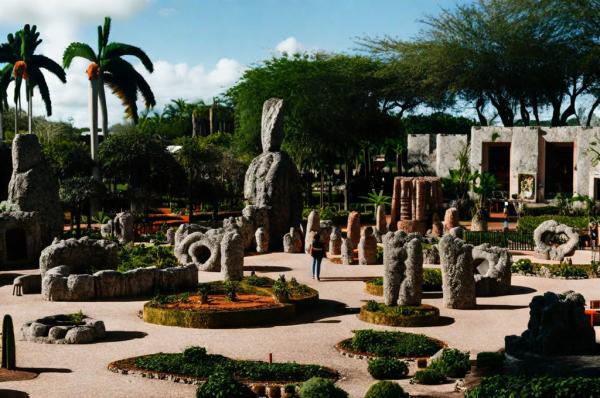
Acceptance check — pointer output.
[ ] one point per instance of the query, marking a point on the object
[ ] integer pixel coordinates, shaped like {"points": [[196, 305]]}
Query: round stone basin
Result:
{"points": [[63, 329]]}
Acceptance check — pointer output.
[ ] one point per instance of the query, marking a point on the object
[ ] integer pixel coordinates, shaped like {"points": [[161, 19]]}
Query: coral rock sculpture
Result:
{"points": [[367, 247], [554, 241], [458, 279], [492, 270]]}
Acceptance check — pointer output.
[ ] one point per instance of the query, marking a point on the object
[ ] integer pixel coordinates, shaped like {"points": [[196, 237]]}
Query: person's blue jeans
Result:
{"points": [[316, 266]]}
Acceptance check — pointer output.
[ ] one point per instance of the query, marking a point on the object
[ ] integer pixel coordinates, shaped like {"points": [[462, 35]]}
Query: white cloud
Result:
{"points": [[60, 22], [166, 12], [290, 46]]}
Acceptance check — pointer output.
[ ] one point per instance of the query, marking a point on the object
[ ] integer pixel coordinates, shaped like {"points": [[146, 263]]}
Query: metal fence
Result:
{"points": [[513, 240]]}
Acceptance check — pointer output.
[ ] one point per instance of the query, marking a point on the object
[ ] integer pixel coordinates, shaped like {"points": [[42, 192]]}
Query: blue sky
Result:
{"points": [[201, 47]]}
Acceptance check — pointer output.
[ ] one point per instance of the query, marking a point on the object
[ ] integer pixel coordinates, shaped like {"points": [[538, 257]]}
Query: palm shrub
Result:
{"points": [[387, 368], [8, 344], [318, 387], [429, 376], [222, 385], [231, 289], [386, 389]]}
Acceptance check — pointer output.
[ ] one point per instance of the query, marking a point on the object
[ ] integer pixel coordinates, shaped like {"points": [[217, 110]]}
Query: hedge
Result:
{"points": [[503, 386], [530, 223]]}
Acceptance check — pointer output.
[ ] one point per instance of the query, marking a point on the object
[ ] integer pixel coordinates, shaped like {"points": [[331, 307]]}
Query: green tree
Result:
{"points": [[108, 67], [19, 55]]}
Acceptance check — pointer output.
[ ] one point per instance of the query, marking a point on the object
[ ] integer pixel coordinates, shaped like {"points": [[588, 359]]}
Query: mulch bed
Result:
{"points": [[16, 375], [219, 302]]}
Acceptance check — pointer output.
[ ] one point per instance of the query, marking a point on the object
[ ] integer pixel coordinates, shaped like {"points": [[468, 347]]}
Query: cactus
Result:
{"points": [[8, 344]]}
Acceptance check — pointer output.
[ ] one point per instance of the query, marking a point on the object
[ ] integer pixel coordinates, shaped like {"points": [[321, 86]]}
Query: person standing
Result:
{"points": [[317, 251]]}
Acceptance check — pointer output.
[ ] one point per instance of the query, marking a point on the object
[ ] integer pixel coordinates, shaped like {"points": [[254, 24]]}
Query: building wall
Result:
{"points": [[447, 148], [421, 150]]}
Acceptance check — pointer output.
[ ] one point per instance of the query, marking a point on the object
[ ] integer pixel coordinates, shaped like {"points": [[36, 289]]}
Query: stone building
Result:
{"points": [[534, 163]]}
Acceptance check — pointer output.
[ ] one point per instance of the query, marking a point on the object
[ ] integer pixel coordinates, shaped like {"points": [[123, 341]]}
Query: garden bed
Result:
{"points": [[563, 270], [406, 316], [253, 303], [368, 343], [194, 366]]}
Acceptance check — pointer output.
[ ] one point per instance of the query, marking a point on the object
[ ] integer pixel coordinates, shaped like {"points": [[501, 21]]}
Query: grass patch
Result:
{"points": [[142, 256]]}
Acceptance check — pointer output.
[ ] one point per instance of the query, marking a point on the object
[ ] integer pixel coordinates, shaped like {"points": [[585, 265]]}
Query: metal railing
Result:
{"points": [[512, 240]]}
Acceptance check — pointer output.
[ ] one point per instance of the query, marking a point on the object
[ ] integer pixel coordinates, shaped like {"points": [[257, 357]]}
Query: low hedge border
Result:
{"points": [[378, 318], [218, 319]]}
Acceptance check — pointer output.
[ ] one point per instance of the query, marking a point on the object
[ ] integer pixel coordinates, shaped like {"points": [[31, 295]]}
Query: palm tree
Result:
{"points": [[109, 68], [19, 54], [5, 79]]}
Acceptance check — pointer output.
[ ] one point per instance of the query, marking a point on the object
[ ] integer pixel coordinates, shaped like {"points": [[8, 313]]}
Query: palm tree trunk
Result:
{"points": [[93, 110], [29, 107], [103, 108], [1, 124]]}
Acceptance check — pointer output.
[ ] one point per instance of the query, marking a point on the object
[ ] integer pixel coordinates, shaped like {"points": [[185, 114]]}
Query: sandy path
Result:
{"points": [[80, 371]]}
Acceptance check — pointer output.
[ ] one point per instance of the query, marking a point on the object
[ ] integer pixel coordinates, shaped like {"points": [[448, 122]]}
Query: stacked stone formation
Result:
{"points": [[380, 223], [272, 180], [232, 256], [367, 247], [313, 225], [170, 236], [458, 279], [123, 227], [353, 228], [292, 241], [451, 219], [335, 241], [186, 229], [33, 187], [557, 326], [403, 269], [492, 270], [411, 288], [437, 228], [347, 252], [262, 240], [548, 233]]}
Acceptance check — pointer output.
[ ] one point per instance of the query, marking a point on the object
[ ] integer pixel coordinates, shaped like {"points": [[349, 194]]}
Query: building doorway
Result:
{"points": [[16, 245], [496, 161], [559, 169]]}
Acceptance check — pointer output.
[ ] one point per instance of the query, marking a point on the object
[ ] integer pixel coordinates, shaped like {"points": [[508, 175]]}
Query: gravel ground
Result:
{"points": [[80, 371]]}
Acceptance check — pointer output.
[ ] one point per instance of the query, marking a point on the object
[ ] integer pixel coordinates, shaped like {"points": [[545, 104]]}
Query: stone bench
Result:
{"points": [[27, 284]]}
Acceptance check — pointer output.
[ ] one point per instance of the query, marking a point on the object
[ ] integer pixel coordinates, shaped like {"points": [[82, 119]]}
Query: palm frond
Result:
{"points": [[115, 50], [41, 61], [106, 31], [126, 90], [38, 80], [77, 49]]}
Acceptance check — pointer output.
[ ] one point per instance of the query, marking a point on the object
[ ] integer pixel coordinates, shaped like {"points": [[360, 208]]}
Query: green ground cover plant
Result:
{"points": [[392, 344], [196, 362]]}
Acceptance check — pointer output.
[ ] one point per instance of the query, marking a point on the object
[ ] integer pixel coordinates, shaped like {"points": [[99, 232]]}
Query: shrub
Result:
{"points": [[141, 256], [321, 388], [523, 265], [260, 281], [386, 389], [387, 368], [379, 255], [231, 289], [376, 281], [204, 290], [432, 279], [281, 290], [393, 344], [194, 354], [372, 306], [528, 224], [429, 376], [77, 317], [535, 386], [490, 361], [452, 363], [222, 385]]}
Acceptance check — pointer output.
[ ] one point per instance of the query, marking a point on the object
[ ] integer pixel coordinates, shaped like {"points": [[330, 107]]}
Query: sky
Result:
{"points": [[202, 47]]}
